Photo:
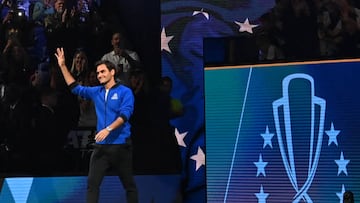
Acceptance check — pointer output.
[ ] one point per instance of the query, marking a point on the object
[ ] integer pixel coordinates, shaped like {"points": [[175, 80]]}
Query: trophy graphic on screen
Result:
{"points": [[286, 115]]}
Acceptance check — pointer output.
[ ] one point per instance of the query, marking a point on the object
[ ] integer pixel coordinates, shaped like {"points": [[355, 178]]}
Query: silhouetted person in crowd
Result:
{"points": [[176, 107], [59, 28], [41, 8], [17, 125], [300, 31], [162, 150], [87, 108], [68, 107], [348, 197], [124, 59], [48, 143], [140, 125], [17, 66]]}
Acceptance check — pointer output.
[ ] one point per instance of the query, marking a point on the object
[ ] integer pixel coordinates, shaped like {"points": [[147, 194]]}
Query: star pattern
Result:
{"points": [[261, 195], [199, 158], [342, 163], [332, 133], [341, 194], [165, 41], [246, 26], [260, 165], [201, 12], [267, 136], [180, 137]]}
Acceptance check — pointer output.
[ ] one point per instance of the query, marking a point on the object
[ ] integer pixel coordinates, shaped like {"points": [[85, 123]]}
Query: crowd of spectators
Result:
{"points": [[32, 90], [37, 110], [295, 30], [40, 119]]}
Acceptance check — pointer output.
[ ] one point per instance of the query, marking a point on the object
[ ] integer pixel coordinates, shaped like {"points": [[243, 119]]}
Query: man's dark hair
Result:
{"points": [[348, 197], [110, 66]]}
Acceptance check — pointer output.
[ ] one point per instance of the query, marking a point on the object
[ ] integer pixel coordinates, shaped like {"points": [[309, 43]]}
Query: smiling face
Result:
{"points": [[80, 61], [105, 76], [59, 5]]}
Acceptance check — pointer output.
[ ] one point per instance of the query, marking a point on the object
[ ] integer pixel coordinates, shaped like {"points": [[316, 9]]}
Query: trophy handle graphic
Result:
{"points": [[287, 153]]}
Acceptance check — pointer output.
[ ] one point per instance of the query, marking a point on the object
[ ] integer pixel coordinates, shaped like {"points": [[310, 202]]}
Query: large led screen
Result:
{"points": [[283, 132], [72, 189]]}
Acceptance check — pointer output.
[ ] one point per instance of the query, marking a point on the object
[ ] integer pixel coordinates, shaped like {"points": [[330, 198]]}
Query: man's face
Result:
{"points": [[59, 5], [80, 61], [103, 74], [115, 40]]}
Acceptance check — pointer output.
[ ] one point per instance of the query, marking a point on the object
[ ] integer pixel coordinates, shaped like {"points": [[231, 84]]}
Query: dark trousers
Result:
{"points": [[119, 158]]}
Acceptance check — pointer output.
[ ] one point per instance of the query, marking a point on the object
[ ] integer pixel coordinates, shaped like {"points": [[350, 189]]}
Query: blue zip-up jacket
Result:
{"points": [[119, 103]]}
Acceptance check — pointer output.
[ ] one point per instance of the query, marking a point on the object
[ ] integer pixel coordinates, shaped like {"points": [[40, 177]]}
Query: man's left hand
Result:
{"points": [[101, 135]]}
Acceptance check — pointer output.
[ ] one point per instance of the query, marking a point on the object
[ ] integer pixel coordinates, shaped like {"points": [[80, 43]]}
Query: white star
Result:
{"points": [[261, 195], [165, 41], [199, 158], [332, 133], [180, 137], [246, 26], [342, 163], [201, 12], [267, 136], [341, 194], [260, 166]]}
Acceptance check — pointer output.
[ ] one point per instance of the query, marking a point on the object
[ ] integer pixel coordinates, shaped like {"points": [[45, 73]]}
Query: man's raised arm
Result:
{"points": [[69, 79]]}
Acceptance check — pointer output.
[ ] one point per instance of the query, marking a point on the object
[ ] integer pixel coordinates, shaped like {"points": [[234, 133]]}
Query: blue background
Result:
{"points": [[231, 160], [185, 65]]}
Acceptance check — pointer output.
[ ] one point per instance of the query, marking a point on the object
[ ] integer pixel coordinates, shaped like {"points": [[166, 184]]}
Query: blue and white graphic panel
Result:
{"points": [[283, 132]]}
